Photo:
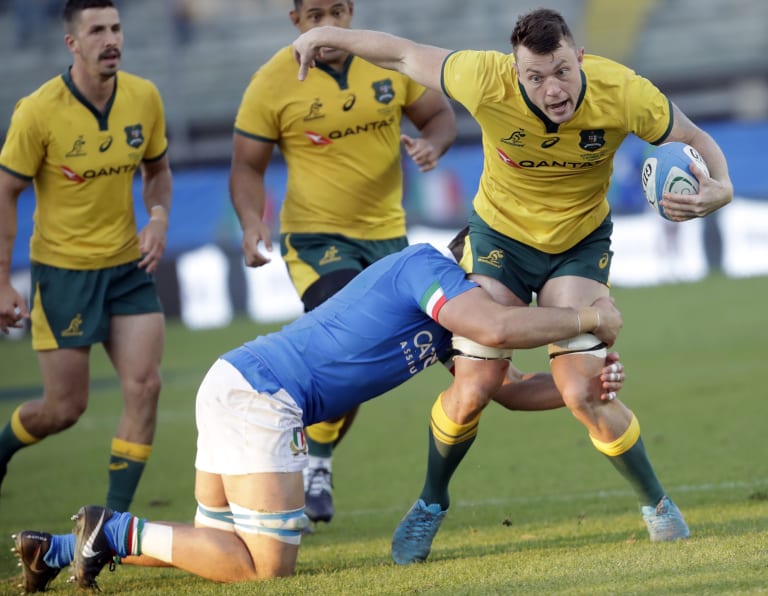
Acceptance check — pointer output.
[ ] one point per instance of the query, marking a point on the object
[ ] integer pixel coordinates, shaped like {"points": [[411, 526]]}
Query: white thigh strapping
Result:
{"points": [[243, 431], [586, 343]]}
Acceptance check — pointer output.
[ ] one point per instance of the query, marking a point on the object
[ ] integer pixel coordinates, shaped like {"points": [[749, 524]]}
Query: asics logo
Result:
{"points": [[88, 546]]}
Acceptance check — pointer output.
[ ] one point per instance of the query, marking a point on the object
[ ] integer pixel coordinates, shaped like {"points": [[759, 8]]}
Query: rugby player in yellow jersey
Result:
{"points": [[80, 138], [552, 119], [340, 135]]}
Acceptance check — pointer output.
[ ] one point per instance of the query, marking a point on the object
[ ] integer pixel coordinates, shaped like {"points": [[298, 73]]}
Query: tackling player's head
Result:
{"points": [[548, 63], [94, 36]]}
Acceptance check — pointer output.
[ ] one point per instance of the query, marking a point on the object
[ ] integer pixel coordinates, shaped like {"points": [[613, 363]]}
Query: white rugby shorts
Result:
{"points": [[243, 431]]}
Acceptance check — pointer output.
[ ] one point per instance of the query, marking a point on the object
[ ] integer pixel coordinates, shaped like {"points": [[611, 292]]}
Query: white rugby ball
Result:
{"points": [[666, 169]]}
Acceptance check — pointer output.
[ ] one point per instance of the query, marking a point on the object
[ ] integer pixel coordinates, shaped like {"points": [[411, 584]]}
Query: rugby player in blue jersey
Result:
{"points": [[390, 322]]}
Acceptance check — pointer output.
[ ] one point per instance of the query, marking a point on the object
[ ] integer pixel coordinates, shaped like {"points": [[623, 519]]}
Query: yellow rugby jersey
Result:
{"points": [[83, 164], [340, 136], [545, 184]]}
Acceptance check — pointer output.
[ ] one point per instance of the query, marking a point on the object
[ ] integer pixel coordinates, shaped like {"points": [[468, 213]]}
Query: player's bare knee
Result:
{"points": [[65, 414]]}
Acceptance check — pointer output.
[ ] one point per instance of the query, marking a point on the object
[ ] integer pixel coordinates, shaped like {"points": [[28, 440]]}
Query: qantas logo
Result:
{"points": [[88, 174], [71, 175], [529, 164], [317, 139], [506, 158]]}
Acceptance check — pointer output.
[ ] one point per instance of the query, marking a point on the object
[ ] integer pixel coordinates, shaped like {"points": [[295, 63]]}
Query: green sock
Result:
{"points": [[319, 449], [124, 476], [636, 468], [9, 444], [126, 464], [442, 463], [12, 438]]}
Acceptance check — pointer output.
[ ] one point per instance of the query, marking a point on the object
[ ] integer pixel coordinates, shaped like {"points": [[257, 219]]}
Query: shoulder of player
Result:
{"points": [[483, 58], [281, 61], [134, 81], [278, 70], [604, 68]]}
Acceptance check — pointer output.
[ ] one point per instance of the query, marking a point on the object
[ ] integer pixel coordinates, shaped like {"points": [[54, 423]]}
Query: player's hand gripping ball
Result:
{"points": [[667, 169]]}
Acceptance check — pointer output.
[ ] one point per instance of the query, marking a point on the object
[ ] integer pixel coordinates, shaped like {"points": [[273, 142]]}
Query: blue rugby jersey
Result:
{"points": [[371, 336]]}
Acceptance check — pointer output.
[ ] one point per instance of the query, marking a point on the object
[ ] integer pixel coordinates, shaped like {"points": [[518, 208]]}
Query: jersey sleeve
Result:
{"points": [[433, 280], [413, 91], [471, 77], [649, 111], [158, 141], [255, 117], [25, 145]]}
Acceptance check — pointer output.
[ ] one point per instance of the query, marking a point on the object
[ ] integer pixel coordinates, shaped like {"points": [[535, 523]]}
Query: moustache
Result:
{"points": [[110, 54]]}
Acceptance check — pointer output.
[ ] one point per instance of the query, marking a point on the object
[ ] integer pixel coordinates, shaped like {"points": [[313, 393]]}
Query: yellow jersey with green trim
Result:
{"points": [[545, 184], [83, 163], [339, 133]]}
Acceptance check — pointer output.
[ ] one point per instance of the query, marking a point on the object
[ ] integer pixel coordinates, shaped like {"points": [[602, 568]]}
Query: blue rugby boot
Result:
{"points": [[413, 536], [665, 522]]}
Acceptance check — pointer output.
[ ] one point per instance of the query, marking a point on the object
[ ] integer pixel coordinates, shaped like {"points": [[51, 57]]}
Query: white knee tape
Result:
{"points": [[471, 349], [215, 517], [586, 343], [285, 526]]}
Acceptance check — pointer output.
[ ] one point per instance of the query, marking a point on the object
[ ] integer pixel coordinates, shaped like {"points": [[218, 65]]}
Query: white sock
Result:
{"points": [[157, 541]]}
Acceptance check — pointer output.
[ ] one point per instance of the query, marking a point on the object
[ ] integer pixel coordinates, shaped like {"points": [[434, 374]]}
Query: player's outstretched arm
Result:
{"points": [[420, 62]]}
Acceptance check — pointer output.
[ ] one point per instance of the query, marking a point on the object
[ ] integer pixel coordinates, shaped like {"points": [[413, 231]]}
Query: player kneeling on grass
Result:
{"points": [[392, 321]]}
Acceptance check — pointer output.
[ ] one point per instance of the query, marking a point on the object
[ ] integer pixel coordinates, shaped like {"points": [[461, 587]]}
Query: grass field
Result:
{"points": [[536, 510]]}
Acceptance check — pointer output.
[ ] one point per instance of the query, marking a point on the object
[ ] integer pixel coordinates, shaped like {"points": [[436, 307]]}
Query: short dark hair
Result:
{"points": [[456, 245], [297, 4], [541, 31], [73, 8]]}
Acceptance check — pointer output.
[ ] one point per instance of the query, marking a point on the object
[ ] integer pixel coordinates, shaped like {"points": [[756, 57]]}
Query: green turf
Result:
{"points": [[535, 509]]}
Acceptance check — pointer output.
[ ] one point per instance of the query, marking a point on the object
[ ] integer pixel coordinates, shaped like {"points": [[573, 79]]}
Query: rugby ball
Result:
{"points": [[666, 169]]}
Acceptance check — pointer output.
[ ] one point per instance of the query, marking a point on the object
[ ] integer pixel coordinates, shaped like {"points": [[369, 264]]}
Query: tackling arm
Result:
{"points": [[537, 391], [476, 316]]}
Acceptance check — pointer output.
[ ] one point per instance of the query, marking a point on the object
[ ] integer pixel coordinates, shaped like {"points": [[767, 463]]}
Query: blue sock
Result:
{"points": [[61, 552], [122, 533]]}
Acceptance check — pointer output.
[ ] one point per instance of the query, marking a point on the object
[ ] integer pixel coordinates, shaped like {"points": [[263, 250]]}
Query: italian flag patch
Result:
{"points": [[432, 300]]}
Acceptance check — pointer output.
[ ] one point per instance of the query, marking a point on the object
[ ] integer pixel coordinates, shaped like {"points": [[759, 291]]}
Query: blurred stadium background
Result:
{"points": [[710, 56]]}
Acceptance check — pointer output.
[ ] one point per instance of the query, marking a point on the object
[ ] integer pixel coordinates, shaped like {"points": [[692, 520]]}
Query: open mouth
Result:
{"points": [[557, 107]]}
